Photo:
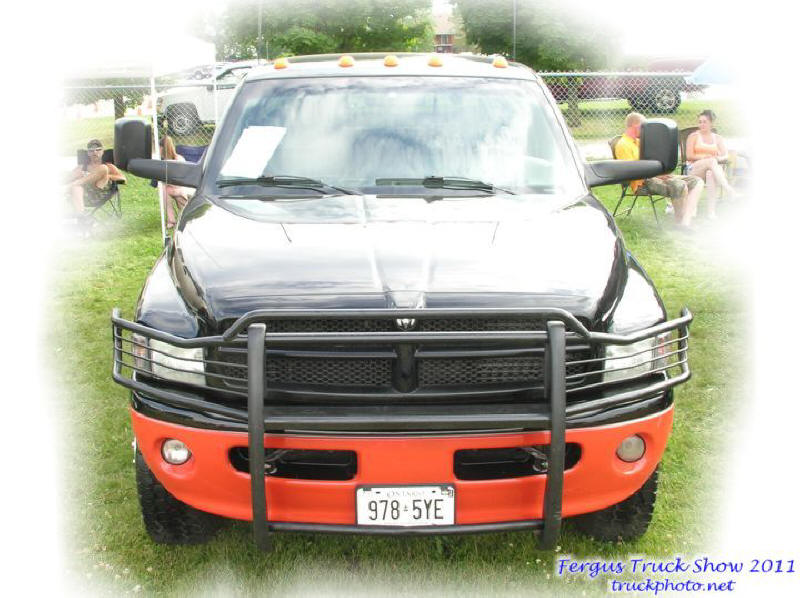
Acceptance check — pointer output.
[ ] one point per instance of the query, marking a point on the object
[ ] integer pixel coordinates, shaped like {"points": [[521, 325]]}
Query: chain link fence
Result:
{"points": [[594, 107]]}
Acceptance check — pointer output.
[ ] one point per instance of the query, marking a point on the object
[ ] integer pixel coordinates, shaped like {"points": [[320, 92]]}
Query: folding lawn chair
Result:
{"points": [[684, 163], [191, 153], [109, 202], [640, 192]]}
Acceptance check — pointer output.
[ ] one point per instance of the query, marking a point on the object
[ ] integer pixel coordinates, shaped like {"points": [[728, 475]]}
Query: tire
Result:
{"points": [[166, 519], [661, 100], [182, 119], [627, 520]]}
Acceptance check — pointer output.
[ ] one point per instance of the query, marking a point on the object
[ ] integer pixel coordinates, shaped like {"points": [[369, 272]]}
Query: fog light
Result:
{"points": [[631, 449], [175, 452]]}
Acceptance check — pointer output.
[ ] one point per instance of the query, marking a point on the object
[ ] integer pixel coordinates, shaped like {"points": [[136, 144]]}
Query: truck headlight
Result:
{"points": [[168, 361], [628, 361], [638, 308]]}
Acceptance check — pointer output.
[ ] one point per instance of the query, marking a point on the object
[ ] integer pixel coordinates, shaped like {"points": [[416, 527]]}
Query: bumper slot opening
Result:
{"points": [[512, 462], [300, 464]]}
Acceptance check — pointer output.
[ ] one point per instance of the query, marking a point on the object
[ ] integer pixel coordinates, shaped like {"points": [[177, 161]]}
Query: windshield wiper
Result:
{"points": [[285, 181], [445, 182]]}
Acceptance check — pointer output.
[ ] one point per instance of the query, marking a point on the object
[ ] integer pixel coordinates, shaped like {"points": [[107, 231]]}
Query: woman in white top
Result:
{"points": [[704, 152], [170, 193]]}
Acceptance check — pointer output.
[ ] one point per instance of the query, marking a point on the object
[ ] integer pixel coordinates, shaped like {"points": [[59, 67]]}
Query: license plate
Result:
{"points": [[405, 505]]}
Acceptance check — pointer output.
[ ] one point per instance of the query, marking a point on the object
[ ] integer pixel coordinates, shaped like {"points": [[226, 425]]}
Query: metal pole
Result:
{"points": [[216, 103], [255, 431], [260, 41], [514, 34], [157, 150], [555, 383]]}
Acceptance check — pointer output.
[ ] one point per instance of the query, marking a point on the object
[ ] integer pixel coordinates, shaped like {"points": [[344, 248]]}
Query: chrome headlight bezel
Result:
{"points": [[167, 361], [638, 308]]}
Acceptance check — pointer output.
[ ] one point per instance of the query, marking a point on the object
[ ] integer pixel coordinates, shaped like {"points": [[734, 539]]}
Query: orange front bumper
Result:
{"points": [[209, 482]]}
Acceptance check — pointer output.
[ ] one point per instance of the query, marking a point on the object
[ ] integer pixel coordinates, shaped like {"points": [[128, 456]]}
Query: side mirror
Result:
{"points": [[133, 138], [659, 141], [658, 154], [172, 172]]}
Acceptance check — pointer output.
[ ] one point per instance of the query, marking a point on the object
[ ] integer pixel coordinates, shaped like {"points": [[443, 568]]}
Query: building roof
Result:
{"points": [[443, 24]]}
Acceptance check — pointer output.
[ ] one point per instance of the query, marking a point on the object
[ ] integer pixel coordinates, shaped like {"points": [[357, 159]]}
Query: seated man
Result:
{"points": [[684, 191], [91, 183]]}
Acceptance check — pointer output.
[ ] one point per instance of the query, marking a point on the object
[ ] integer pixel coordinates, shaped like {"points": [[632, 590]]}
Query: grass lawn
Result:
{"points": [[106, 543]]}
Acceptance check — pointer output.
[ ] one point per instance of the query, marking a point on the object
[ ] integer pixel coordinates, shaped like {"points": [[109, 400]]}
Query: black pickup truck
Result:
{"points": [[394, 306]]}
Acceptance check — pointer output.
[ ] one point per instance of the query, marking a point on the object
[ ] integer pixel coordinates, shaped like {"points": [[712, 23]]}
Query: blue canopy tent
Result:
{"points": [[714, 71]]}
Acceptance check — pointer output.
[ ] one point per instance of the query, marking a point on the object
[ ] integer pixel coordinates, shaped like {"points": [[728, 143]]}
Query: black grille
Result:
{"points": [[389, 325], [329, 372], [330, 325], [479, 371], [479, 324], [319, 372], [377, 374]]}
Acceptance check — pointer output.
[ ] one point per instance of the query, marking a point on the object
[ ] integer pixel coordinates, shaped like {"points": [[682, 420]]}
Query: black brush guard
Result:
{"points": [[666, 368]]}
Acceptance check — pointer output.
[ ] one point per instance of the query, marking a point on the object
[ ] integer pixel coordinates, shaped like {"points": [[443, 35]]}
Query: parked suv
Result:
{"points": [[191, 104], [395, 306]]}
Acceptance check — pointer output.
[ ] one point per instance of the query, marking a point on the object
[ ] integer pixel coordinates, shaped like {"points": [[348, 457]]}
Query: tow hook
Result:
{"points": [[540, 459], [270, 461]]}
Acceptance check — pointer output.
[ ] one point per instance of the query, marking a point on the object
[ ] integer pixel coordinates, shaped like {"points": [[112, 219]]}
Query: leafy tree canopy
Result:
{"points": [[551, 36], [292, 27]]}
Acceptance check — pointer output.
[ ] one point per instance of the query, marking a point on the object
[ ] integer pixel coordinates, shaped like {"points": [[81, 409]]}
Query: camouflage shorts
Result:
{"points": [[94, 196], [672, 185]]}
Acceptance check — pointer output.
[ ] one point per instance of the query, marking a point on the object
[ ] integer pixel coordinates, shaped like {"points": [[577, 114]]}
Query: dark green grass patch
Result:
{"points": [[106, 541]]}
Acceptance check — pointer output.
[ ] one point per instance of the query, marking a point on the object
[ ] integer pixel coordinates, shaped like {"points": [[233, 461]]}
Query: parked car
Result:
{"points": [[660, 91], [394, 306], [190, 105]]}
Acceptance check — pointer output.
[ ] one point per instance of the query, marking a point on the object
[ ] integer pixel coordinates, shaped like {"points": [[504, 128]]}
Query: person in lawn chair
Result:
{"points": [[170, 193], [90, 184], [683, 191]]}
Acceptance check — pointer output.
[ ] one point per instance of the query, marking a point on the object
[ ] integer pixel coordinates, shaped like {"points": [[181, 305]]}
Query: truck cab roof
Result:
{"points": [[408, 64]]}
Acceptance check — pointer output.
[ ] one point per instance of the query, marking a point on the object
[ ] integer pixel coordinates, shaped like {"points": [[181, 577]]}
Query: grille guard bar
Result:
{"points": [[562, 329]]}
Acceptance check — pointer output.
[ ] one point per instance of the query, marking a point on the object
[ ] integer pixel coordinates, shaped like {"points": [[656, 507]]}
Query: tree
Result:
{"points": [[549, 37], [291, 27]]}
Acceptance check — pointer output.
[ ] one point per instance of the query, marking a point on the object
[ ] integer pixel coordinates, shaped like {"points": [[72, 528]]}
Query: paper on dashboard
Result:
{"points": [[253, 151]]}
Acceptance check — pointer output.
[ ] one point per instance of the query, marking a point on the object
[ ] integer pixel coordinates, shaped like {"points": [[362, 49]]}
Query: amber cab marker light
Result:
{"points": [[281, 63], [500, 62], [346, 61], [390, 60], [435, 61]]}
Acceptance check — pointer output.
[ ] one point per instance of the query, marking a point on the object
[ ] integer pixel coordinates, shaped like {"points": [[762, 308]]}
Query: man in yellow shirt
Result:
{"points": [[684, 191]]}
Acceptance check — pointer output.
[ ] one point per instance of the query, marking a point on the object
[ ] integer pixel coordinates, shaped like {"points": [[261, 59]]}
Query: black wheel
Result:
{"points": [[182, 119], [627, 520], [166, 519], [662, 100]]}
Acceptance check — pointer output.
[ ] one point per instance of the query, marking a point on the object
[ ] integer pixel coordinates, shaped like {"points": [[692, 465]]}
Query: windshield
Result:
{"points": [[428, 136]]}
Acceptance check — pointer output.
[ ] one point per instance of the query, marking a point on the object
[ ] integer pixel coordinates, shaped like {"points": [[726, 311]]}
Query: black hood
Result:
{"points": [[368, 251]]}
